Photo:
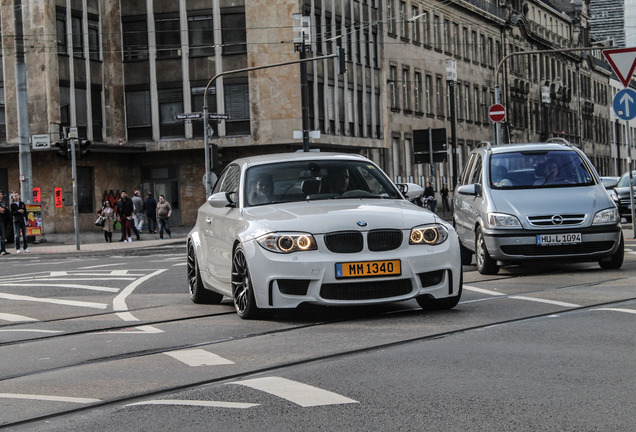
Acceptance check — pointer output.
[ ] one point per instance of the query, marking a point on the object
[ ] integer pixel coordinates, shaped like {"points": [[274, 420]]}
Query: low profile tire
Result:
{"points": [[485, 264], [198, 294], [465, 254], [616, 261], [428, 303], [243, 290]]}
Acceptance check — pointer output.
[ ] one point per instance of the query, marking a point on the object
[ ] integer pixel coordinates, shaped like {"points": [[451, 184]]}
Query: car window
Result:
{"points": [[464, 176], [475, 175], [537, 169], [624, 181], [316, 180], [229, 180]]}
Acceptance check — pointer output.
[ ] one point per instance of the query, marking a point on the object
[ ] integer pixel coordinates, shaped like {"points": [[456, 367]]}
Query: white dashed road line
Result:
{"points": [[629, 311], [48, 398], [198, 357], [533, 299], [198, 403], [15, 318]]}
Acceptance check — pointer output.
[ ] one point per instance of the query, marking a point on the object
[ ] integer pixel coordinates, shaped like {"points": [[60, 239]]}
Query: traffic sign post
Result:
{"points": [[625, 109], [623, 62]]}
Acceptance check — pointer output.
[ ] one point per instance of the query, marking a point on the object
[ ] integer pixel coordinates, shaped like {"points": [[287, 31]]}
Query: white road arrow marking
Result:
{"points": [[15, 318], [626, 100], [296, 392], [76, 286], [629, 311], [211, 404], [198, 357], [48, 398], [54, 301]]}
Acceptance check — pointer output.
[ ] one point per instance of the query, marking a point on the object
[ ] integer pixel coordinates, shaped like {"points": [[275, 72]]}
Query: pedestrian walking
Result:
{"points": [[444, 193], [164, 211], [109, 220], [19, 212], [125, 216], [138, 215], [5, 212], [150, 208], [429, 196]]}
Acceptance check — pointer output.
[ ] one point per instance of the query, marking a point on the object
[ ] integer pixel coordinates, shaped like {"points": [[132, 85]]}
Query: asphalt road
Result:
{"points": [[105, 341]]}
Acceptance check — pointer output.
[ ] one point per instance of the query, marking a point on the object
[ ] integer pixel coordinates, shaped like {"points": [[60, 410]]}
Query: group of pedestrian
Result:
{"points": [[133, 213], [428, 197], [16, 212]]}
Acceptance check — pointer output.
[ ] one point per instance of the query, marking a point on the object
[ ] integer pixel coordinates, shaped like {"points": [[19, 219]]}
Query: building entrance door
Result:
{"points": [[164, 181]]}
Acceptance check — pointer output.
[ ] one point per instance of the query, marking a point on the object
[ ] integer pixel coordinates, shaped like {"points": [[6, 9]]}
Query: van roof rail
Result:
{"points": [[558, 141], [487, 144]]}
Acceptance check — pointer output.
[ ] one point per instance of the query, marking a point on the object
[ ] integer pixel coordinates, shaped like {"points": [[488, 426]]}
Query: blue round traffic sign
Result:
{"points": [[625, 104]]}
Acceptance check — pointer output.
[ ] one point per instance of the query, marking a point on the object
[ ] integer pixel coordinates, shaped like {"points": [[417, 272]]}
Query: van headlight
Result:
{"points": [[428, 234], [607, 216], [287, 242], [613, 195], [502, 220]]}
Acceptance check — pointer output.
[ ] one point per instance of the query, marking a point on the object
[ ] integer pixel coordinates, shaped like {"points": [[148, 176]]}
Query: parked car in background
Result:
{"points": [[620, 195], [609, 182], [540, 201], [322, 228]]}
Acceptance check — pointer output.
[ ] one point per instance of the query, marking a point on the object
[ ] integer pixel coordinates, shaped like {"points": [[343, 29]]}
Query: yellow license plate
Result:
{"points": [[368, 268]]}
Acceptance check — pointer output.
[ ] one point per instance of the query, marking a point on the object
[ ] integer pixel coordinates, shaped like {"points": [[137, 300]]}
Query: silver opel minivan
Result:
{"points": [[539, 201]]}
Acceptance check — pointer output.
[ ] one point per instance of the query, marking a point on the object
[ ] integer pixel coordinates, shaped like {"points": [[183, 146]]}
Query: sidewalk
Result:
{"points": [[93, 241]]}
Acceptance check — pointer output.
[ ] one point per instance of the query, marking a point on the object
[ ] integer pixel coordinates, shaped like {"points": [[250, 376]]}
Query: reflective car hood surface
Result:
{"points": [[550, 201], [340, 214]]}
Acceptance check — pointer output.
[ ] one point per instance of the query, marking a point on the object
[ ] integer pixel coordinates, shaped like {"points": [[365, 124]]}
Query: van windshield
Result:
{"points": [[541, 169]]}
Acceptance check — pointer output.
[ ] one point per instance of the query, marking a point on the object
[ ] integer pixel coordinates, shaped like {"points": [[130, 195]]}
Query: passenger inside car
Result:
{"points": [[262, 190]]}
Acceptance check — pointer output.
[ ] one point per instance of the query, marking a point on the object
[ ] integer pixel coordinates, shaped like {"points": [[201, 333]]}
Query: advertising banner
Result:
{"points": [[34, 219]]}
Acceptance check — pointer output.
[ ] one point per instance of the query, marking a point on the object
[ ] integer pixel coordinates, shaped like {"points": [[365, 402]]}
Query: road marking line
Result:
{"points": [[180, 264], [48, 398], [539, 300], [31, 331], [146, 329], [630, 311], [198, 357], [296, 392], [119, 302], [483, 291], [86, 287], [101, 265], [54, 301], [15, 318], [211, 404]]}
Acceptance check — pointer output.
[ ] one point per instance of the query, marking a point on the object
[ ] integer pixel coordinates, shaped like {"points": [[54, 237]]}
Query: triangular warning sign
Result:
{"points": [[623, 61]]}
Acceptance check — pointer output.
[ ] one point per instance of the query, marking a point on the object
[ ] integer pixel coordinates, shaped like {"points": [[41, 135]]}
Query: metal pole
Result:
{"points": [[497, 124], [453, 135], [206, 145], [75, 206], [26, 185], [430, 154], [631, 177], [304, 97]]}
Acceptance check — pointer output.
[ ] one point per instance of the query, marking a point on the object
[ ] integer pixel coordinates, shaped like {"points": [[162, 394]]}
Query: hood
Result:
{"points": [[551, 201], [323, 216]]}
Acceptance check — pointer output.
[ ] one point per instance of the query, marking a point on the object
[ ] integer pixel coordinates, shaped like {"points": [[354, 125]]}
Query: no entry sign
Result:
{"points": [[497, 113]]}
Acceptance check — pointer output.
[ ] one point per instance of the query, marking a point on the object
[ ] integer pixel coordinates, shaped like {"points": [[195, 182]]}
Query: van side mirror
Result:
{"points": [[470, 189]]}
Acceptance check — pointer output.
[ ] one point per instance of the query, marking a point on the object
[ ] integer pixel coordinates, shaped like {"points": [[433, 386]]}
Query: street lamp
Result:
{"points": [[451, 79], [302, 44]]}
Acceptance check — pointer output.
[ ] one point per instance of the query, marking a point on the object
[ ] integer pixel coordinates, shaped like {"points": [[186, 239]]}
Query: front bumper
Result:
{"points": [[288, 280], [521, 245]]}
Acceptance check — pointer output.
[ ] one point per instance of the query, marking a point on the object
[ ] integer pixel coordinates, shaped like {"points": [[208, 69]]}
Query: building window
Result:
{"points": [[467, 104], [60, 30], [415, 24], [138, 115], [170, 104], [456, 40], [447, 36], [406, 90], [201, 35], [428, 94], [168, 37], [476, 106], [392, 87], [135, 39], [65, 105], [96, 113], [81, 113], [237, 106], [3, 120], [466, 43], [475, 46], [417, 92], [85, 189], [460, 101], [78, 48], [233, 33], [93, 39], [403, 32], [437, 37], [439, 90], [426, 32], [390, 6]]}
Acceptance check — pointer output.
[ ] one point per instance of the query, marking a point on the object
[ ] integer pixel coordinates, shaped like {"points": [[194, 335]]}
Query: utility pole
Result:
{"points": [[302, 43], [26, 175], [451, 78]]}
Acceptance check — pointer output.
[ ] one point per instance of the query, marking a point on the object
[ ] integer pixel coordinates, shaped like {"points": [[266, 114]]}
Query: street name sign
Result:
{"points": [[189, 116], [497, 113], [623, 62], [625, 104]]}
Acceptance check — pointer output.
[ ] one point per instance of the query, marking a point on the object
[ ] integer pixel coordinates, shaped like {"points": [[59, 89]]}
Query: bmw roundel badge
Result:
{"points": [[362, 223]]}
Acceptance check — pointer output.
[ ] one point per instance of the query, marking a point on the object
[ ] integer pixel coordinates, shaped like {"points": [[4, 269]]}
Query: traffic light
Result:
{"points": [[216, 156], [83, 148], [342, 60], [63, 149]]}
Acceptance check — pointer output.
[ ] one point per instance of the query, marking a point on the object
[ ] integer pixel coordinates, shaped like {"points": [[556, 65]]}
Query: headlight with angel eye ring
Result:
{"points": [[287, 242], [428, 234]]}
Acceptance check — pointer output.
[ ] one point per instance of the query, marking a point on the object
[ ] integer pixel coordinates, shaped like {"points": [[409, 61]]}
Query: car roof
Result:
{"points": [[298, 156]]}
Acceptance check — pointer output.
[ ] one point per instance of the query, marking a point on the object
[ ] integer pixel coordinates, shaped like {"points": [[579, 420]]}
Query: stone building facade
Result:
{"points": [[120, 72]]}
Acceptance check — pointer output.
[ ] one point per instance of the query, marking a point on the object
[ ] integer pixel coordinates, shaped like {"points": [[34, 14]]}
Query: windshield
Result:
{"points": [[316, 180], [624, 181], [542, 169]]}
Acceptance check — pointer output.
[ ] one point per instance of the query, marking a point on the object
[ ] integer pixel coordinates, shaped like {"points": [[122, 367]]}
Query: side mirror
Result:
{"points": [[220, 200], [410, 190], [470, 189]]}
